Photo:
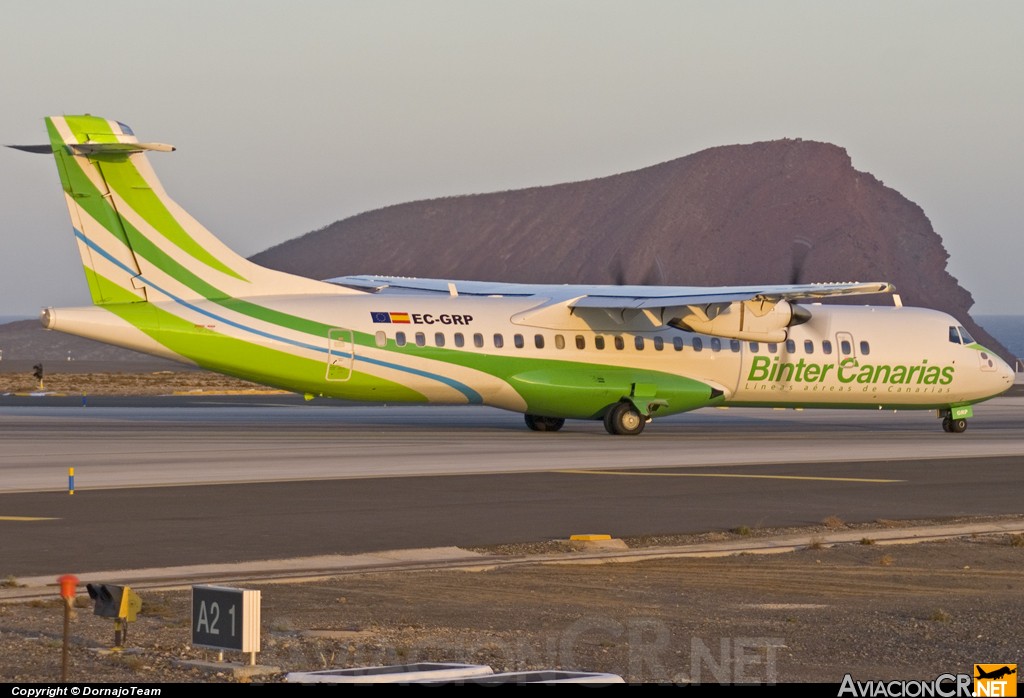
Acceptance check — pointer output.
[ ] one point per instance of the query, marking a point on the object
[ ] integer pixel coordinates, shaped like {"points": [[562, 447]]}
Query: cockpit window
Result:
{"points": [[954, 336], [968, 339]]}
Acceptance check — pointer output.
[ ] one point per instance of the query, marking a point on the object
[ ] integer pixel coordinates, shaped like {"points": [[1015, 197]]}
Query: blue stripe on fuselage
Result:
{"points": [[471, 395]]}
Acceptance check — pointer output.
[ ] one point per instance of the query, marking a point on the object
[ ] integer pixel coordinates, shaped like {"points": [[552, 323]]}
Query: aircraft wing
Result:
{"points": [[615, 297], [401, 284], [666, 296], [755, 313]]}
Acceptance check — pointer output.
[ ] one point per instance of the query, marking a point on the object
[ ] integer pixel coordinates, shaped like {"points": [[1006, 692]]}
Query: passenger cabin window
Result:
{"points": [[754, 347], [826, 346], [659, 343], [599, 342], [421, 339], [638, 342], [773, 348], [581, 342], [538, 341], [517, 339], [677, 343], [845, 348], [716, 344], [865, 348], [439, 339], [559, 342], [698, 344], [460, 341], [620, 343], [400, 339], [734, 346], [790, 346], [381, 339], [808, 346], [499, 341]]}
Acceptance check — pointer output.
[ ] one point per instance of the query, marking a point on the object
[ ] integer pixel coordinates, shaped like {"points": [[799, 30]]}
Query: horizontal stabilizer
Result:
{"points": [[99, 148], [42, 149], [124, 148]]}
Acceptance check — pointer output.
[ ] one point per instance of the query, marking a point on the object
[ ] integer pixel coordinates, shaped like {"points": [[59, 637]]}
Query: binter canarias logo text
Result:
{"points": [[772, 370]]}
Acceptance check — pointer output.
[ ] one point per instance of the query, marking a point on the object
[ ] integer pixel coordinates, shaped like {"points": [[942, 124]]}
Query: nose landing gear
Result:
{"points": [[954, 426], [954, 419]]}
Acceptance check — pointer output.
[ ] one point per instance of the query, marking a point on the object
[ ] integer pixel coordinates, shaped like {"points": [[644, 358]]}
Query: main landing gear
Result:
{"points": [[538, 423], [624, 419]]}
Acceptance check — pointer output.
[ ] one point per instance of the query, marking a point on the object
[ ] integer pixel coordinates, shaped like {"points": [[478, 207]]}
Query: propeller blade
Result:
{"points": [[801, 248], [618, 271]]}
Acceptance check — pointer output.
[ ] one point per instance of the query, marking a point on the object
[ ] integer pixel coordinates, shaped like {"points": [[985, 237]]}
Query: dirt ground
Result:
{"points": [[128, 383], [875, 611]]}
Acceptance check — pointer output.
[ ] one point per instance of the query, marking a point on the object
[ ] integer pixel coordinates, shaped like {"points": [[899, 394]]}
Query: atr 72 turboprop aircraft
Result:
{"points": [[163, 284]]}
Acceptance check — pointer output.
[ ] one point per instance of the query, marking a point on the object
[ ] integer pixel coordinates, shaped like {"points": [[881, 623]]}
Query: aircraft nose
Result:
{"points": [[1004, 374], [1007, 373]]}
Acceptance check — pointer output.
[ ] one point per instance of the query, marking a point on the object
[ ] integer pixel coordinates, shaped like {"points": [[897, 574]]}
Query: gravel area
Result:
{"points": [[127, 383], [875, 611]]}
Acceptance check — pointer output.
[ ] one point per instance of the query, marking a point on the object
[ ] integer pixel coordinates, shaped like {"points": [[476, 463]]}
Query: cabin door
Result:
{"points": [[845, 347], [340, 354]]}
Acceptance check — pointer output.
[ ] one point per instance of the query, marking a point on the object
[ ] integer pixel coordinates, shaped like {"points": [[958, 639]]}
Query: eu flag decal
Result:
{"points": [[380, 317]]}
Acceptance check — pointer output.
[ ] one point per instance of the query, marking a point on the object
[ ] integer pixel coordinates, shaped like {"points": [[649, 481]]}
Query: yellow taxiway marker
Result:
{"points": [[27, 518], [733, 475]]}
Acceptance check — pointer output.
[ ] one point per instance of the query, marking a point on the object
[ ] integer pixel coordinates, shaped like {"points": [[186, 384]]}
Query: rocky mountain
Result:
{"points": [[727, 215], [771, 212]]}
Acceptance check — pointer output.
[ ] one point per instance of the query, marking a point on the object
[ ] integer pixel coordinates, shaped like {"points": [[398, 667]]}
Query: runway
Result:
{"points": [[251, 479]]}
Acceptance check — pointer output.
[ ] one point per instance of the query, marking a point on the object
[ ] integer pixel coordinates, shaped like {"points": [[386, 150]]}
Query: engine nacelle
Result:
{"points": [[753, 320]]}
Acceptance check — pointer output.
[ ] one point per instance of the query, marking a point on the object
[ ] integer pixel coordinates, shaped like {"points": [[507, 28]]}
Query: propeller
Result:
{"points": [[801, 248], [618, 270], [659, 274], [654, 276]]}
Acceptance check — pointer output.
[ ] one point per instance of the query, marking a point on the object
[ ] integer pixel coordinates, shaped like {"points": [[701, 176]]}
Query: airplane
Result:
{"points": [[995, 674], [162, 284]]}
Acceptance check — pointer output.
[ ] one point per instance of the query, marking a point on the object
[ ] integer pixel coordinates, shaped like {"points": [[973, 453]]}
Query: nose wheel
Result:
{"points": [[954, 426]]}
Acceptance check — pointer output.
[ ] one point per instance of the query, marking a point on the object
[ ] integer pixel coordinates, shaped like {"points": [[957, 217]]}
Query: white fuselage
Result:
{"points": [[844, 356]]}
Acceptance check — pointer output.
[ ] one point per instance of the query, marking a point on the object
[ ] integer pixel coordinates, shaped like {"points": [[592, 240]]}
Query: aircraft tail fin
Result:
{"points": [[135, 242]]}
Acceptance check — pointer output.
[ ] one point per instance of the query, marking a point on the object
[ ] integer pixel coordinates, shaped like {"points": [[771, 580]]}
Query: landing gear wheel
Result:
{"points": [[954, 426], [538, 423], [624, 419]]}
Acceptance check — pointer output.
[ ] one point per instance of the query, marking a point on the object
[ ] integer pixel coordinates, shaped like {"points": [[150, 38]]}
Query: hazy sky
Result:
{"points": [[291, 115]]}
